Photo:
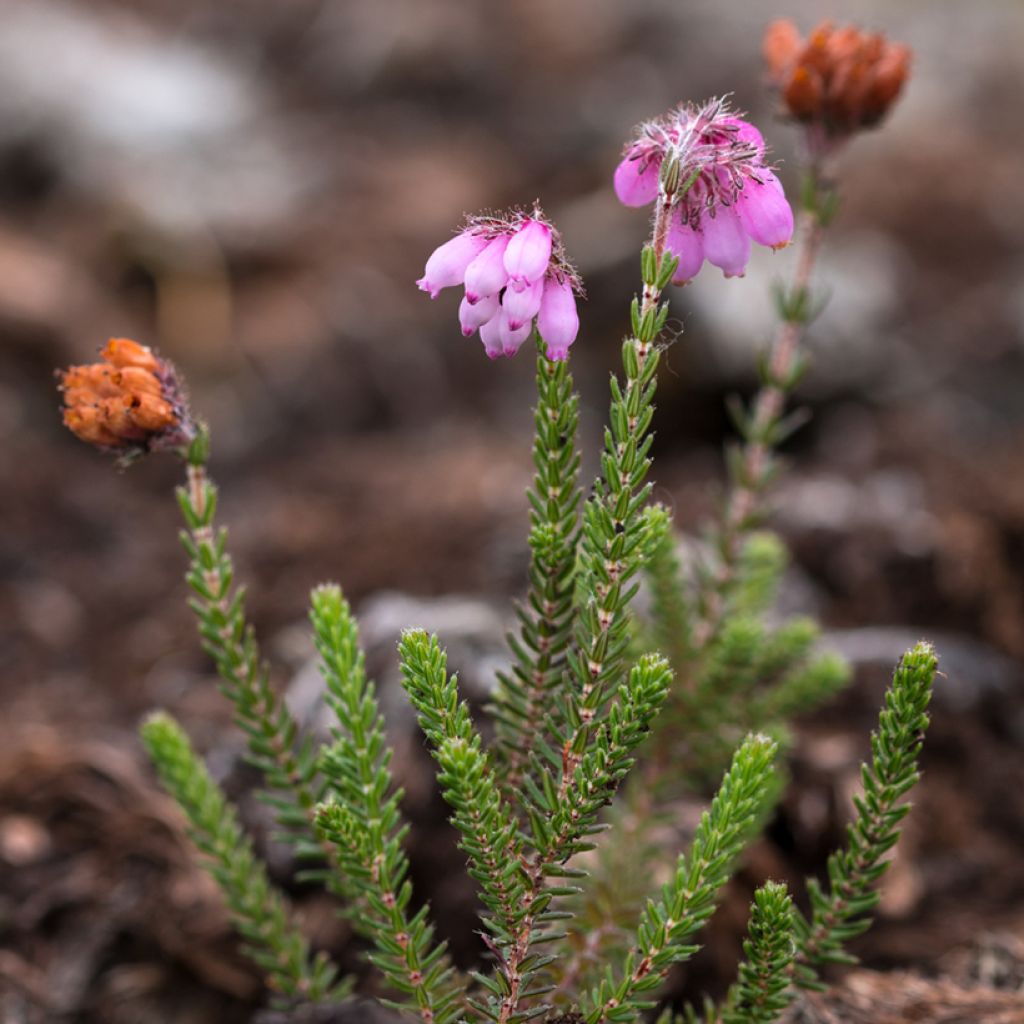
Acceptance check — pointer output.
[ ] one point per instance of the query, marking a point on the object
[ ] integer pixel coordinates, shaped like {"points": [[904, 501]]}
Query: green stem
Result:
{"points": [[751, 471]]}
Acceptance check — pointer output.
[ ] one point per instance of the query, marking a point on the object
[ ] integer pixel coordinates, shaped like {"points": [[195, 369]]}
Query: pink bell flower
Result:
{"points": [[473, 315], [515, 272], [528, 254], [726, 244], [490, 335], [727, 197], [487, 275], [764, 212], [447, 264], [688, 246], [511, 337], [558, 322], [636, 181], [521, 307]]}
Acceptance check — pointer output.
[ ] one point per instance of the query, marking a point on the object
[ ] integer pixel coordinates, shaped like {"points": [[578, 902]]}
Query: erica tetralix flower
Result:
{"points": [[515, 272], [838, 79], [708, 164], [130, 402]]}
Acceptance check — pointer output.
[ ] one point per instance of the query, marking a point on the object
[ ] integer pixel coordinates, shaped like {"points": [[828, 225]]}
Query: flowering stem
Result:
{"points": [[230, 640], [258, 909], [765, 426], [614, 530], [612, 542], [524, 698]]}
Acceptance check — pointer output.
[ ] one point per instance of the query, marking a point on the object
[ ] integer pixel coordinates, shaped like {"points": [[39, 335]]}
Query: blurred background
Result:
{"points": [[253, 188]]}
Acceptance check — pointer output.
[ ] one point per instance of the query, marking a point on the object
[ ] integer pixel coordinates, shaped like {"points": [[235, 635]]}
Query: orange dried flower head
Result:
{"points": [[839, 80], [130, 402]]}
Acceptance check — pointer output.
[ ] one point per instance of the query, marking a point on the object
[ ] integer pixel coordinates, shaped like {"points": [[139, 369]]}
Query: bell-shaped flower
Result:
{"points": [[558, 322], [726, 244], [487, 275], [765, 213], [528, 254], [636, 181], [521, 307], [727, 194], [688, 246], [473, 315], [447, 264], [515, 272]]}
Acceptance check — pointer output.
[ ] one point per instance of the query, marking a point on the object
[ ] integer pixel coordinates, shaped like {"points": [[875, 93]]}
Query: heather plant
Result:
{"points": [[699, 689]]}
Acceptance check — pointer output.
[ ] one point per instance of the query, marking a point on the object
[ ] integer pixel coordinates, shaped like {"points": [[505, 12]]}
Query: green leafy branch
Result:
{"points": [[523, 699], [668, 924], [761, 992], [752, 466], [361, 818], [288, 766], [487, 827], [258, 910], [615, 536], [854, 872]]}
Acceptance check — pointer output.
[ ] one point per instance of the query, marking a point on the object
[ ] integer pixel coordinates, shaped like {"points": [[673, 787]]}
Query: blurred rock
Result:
{"points": [[154, 122]]}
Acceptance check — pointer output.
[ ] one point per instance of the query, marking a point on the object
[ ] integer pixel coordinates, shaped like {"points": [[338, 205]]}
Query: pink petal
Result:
{"points": [[726, 244], [476, 314], [746, 132], [511, 339], [487, 275], [447, 263], [633, 187], [765, 212], [558, 322], [528, 254], [688, 245], [490, 335], [521, 307]]}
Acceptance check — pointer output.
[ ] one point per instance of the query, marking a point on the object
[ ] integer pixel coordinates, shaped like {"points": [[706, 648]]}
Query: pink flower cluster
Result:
{"points": [[514, 269], [726, 195]]}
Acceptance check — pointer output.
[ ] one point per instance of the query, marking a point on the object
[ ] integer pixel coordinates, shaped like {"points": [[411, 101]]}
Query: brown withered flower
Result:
{"points": [[130, 403], [839, 80]]}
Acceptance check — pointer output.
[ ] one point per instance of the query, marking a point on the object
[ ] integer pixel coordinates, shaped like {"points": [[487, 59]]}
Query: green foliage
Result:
{"points": [[753, 677], [362, 819], [669, 924], [257, 909], [671, 614], [615, 536], [288, 767], [487, 827], [761, 992], [523, 698], [854, 872], [745, 677], [570, 716]]}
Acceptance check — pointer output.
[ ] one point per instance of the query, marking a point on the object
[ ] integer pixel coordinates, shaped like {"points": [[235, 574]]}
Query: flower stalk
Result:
{"points": [[752, 467]]}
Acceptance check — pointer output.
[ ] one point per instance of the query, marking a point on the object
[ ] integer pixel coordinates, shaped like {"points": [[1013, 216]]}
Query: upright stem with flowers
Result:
{"points": [[579, 700]]}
